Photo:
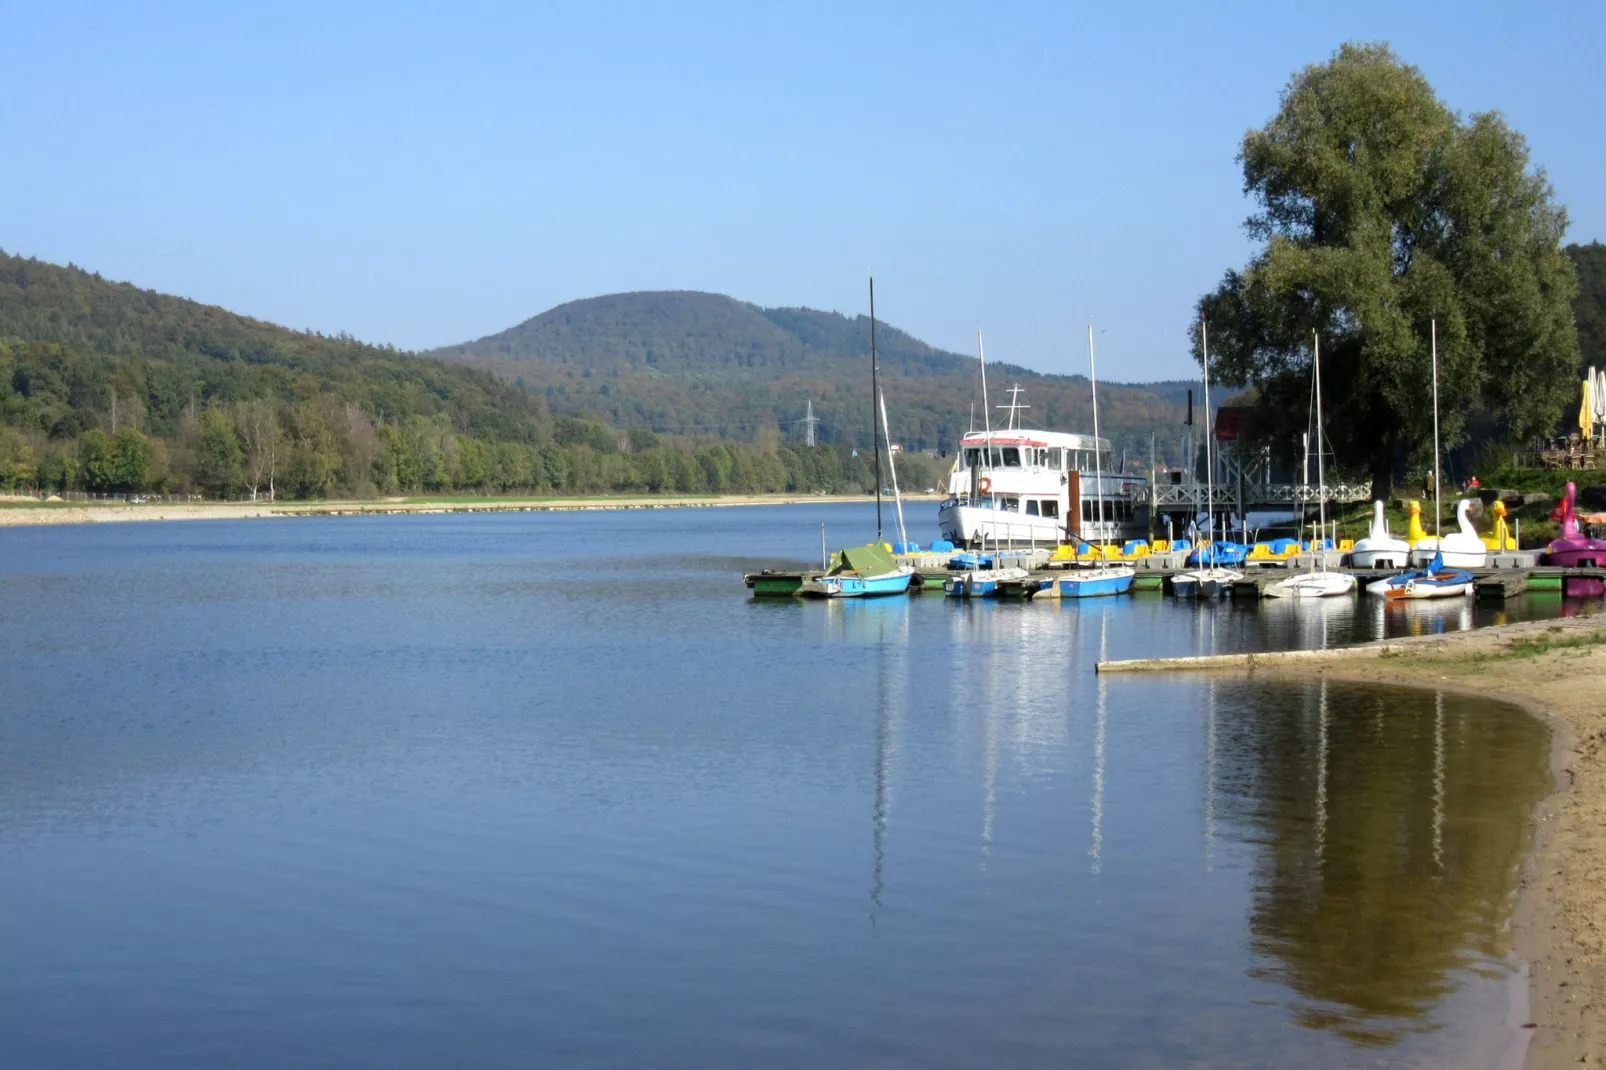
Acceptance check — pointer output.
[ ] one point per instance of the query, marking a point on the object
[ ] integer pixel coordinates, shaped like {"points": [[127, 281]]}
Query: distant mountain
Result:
{"points": [[682, 362]]}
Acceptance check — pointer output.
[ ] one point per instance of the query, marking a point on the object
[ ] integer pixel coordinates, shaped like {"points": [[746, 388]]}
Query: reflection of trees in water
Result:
{"points": [[1391, 828]]}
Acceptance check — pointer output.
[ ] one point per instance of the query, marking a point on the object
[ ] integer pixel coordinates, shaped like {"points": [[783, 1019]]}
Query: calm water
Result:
{"points": [[550, 790]]}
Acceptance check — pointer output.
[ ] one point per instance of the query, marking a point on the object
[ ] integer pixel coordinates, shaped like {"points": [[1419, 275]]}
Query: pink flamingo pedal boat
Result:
{"points": [[1575, 549]]}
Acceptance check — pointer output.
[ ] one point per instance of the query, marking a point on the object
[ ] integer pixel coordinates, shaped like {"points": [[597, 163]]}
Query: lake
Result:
{"points": [[515, 790]]}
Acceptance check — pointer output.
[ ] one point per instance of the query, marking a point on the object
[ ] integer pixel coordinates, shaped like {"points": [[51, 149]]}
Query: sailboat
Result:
{"points": [[1102, 579], [1212, 581], [1317, 583], [1464, 547], [868, 571]]}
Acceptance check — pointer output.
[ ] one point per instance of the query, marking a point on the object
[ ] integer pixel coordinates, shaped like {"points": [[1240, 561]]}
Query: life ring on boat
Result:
{"points": [[984, 485]]}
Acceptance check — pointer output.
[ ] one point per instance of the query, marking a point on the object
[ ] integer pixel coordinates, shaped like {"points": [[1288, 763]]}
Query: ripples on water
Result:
{"points": [[550, 790]]}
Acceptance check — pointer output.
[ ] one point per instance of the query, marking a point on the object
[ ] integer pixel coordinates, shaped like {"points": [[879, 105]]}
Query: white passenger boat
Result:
{"points": [[1024, 487]]}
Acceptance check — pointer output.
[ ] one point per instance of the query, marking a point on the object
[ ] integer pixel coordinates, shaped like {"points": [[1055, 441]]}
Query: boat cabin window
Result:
{"points": [[1011, 457], [1031, 507], [1054, 458], [1009, 505], [1051, 507]]}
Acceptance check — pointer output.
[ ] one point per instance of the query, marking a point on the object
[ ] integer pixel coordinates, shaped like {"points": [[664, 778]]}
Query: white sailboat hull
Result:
{"points": [[1312, 585], [1204, 583]]}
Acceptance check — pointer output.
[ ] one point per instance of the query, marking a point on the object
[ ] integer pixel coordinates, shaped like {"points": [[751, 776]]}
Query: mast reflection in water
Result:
{"points": [[1388, 843]]}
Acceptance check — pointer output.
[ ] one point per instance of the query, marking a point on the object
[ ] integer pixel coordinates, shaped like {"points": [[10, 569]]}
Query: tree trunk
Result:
{"points": [[1383, 469]]}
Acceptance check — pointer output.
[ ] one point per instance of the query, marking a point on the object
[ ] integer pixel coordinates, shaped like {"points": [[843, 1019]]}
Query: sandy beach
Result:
{"points": [[23, 512], [1556, 670]]}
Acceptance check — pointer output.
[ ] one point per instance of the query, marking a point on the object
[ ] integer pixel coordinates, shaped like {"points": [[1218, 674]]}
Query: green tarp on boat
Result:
{"points": [[873, 559]]}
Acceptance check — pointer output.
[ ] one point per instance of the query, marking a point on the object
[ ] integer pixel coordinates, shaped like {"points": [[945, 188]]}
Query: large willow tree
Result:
{"points": [[1382, 210]]}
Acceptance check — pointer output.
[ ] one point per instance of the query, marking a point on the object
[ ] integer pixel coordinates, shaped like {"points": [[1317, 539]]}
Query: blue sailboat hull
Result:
{"points": [[859, 586], [1094, 586]]}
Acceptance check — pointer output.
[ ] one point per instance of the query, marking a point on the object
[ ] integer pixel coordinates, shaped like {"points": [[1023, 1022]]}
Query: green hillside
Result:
{"points": [[108, 388], [695, 362]]}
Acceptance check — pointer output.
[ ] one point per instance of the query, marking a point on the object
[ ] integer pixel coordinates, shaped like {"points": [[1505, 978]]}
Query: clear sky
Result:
{"points": [[425, 174]]}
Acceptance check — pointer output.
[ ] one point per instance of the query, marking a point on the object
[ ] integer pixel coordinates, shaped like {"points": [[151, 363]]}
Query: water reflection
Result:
{"points": [[591, 830], [1100, 730], [1311, 623], [891, 631], [1390, 831]]}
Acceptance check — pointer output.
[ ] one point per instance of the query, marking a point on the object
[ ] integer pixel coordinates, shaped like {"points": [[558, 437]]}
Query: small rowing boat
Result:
{"points": [[1437, 580]]}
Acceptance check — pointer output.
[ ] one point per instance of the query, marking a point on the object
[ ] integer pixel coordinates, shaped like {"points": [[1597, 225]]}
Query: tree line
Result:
{"points": [[328, 446]]}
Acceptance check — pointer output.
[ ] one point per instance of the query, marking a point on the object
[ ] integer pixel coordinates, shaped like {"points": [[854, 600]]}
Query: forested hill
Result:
{"points": [[91, 339], [684, 362], [107, 388]]}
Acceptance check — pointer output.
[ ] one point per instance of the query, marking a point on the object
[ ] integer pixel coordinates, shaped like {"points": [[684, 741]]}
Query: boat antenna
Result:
{"points": [[986, 413], [1210, 467], [1438, 512], [875, 429], [892, 468], [1014, 405], [1098, 445]]}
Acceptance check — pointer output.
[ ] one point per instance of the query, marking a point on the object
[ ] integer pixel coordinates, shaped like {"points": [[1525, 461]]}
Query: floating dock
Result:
{"points": [[1154, 575]]}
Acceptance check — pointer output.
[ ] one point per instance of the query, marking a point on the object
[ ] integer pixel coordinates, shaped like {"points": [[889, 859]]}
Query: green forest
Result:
{"points": [[107, 388], [1589, 311]]}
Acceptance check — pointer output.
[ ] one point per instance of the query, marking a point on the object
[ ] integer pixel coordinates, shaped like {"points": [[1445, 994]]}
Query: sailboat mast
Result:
{"points": [[875, 429], [892, 469], [1210, 465], [1321, 477], [1098, 452], [1438, 513]]}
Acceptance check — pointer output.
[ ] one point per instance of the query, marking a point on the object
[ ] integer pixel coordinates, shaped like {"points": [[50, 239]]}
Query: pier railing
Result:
{"points": [[1256, 493]]}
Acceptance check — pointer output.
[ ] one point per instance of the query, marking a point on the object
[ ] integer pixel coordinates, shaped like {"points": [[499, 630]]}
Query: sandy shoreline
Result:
{"points": [[23, 515], [1556, 670]]}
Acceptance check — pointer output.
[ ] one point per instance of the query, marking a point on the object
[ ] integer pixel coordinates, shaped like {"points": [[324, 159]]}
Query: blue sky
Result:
{"points": [[424, 174]]}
